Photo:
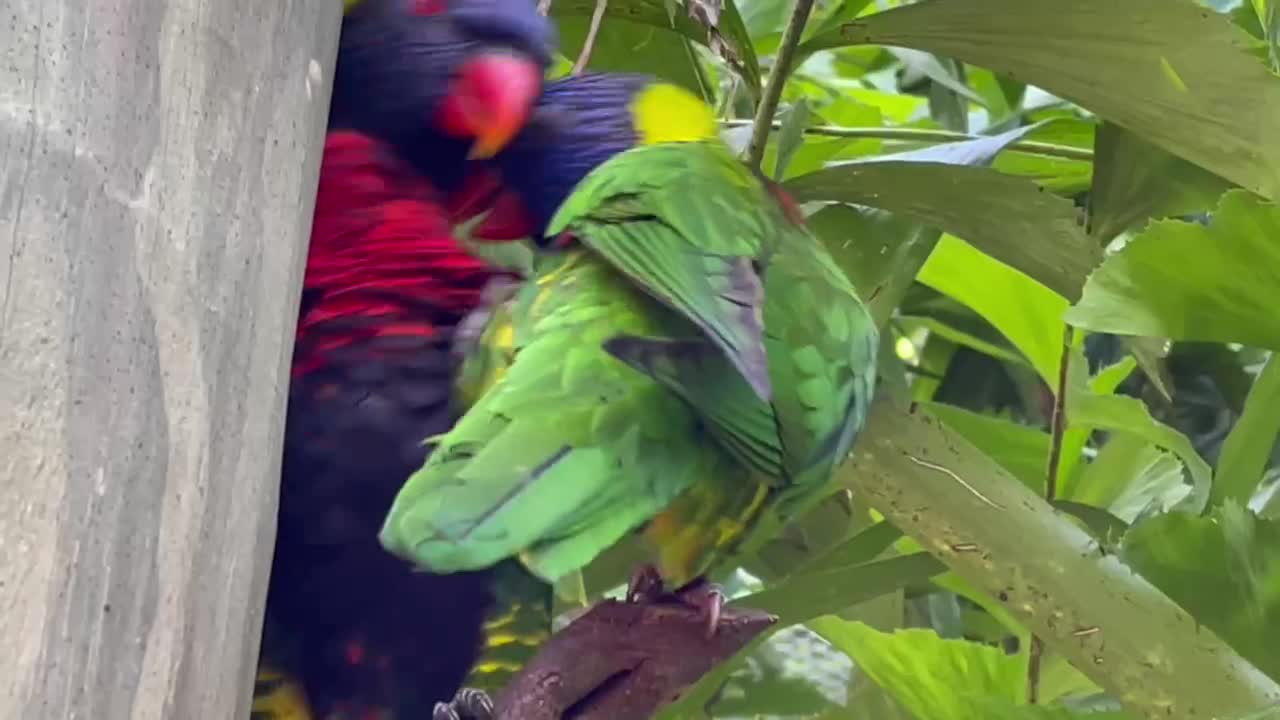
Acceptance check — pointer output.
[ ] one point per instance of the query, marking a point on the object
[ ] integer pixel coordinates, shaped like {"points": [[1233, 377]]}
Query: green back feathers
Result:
{"points": [[567, 452], [684, 222]]}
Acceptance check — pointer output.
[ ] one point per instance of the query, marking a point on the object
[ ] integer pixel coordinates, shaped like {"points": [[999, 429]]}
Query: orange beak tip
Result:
{"points": [[492, 98]]}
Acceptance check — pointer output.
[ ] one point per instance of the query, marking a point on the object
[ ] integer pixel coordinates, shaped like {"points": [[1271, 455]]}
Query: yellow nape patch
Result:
{"points": [[666, 113], [278, 697]]}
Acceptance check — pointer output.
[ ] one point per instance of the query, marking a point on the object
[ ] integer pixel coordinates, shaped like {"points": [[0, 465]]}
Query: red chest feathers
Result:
{"points": [[383, 261]]}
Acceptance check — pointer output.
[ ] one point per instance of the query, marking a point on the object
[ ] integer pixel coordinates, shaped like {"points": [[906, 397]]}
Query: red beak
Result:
{"points": [[490, 100]]}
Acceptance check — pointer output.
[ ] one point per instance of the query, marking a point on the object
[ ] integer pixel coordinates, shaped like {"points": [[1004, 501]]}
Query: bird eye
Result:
{"points": [[428, 7]]}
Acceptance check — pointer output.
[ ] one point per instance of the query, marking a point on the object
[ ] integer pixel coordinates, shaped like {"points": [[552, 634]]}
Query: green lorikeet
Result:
{"points": [[685, 369]]}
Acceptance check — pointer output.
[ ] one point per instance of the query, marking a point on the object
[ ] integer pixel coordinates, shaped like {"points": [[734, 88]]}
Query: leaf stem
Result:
{"points": [[584, 57], [1057, 429], [890, 134], [777, 80], [1058, 419]]}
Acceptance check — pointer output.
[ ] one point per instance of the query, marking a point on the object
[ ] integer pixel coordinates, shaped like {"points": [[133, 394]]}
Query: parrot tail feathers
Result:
{"points": [[516, 626]]}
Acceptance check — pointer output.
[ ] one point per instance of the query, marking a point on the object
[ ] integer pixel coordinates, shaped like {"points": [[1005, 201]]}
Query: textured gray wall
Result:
{"points": [[158, 164]]}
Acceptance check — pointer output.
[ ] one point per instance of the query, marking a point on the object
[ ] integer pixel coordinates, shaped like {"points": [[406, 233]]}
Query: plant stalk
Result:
{"points": [[597, 16], [1085, 604], [772, 93]]}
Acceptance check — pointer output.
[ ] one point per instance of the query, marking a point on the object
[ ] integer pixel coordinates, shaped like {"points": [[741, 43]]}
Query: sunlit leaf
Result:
{"points": [[959, 336], [929, 676], [1188, 281], [1026, 312], [943, 679]]}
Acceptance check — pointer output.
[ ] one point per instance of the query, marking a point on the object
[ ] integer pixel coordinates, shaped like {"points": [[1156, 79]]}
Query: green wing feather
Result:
{"points": [[567, 452], [684, 222], [821, 345]]}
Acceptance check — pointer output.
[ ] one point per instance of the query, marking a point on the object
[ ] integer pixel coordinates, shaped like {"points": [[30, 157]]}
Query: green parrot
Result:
{"points": [[679, 377]]}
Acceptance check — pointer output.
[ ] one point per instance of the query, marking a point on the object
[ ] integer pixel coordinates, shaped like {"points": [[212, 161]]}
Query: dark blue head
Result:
{"points": [[440, 80], [578, 124]]}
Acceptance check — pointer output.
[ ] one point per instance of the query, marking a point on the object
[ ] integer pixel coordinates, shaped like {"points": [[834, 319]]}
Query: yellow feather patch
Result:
{"points": [[666, 113], [279, 697], [705, 520]]}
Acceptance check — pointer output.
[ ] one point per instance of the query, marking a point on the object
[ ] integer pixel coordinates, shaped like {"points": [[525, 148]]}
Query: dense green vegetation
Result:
{"points": [[1063, 214]]}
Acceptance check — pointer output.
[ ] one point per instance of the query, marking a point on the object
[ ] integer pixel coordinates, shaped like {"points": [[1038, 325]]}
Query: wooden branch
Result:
{"points": [[622, 660], [160, 163]]}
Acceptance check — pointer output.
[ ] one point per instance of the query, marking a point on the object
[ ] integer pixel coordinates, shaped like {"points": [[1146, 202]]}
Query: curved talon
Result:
{"points": [[467, 704], [645, 585], [707, 597], [475, 703], [444, 711], [714, 604]]}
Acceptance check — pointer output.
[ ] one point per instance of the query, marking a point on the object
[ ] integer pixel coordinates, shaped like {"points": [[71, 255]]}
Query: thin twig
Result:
{"points": [[544, 7], [891, 134], [777, 79], [1057, 429], [596, 17], [1058, 420], [1034, 653]]}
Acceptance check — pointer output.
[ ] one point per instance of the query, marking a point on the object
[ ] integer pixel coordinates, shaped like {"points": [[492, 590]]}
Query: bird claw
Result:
{"points": [[468, 704], [706, 597], [646, 585]]}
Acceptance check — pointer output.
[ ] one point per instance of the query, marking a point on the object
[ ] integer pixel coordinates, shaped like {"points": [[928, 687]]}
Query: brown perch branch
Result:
{"points": [[623, 660]]}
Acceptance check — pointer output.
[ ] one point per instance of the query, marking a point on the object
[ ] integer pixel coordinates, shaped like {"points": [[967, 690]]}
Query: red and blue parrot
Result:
{"points": [[420, 86]]}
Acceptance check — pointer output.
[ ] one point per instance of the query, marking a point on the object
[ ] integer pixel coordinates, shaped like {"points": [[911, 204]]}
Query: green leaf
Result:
{"points": [[1076, 437], [1187, 281], [1047, 572], [1121, 413], [1009, 218], [1248, 447], [1185, 79], [1020, 449], [804, 596], [1104, 526], [859, 549], [650, 18], [626, 46], [938, 327], [1234, 554], [1129, 475], [940, 679], [1024, 311], [931, 677], [1134, 180]]}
